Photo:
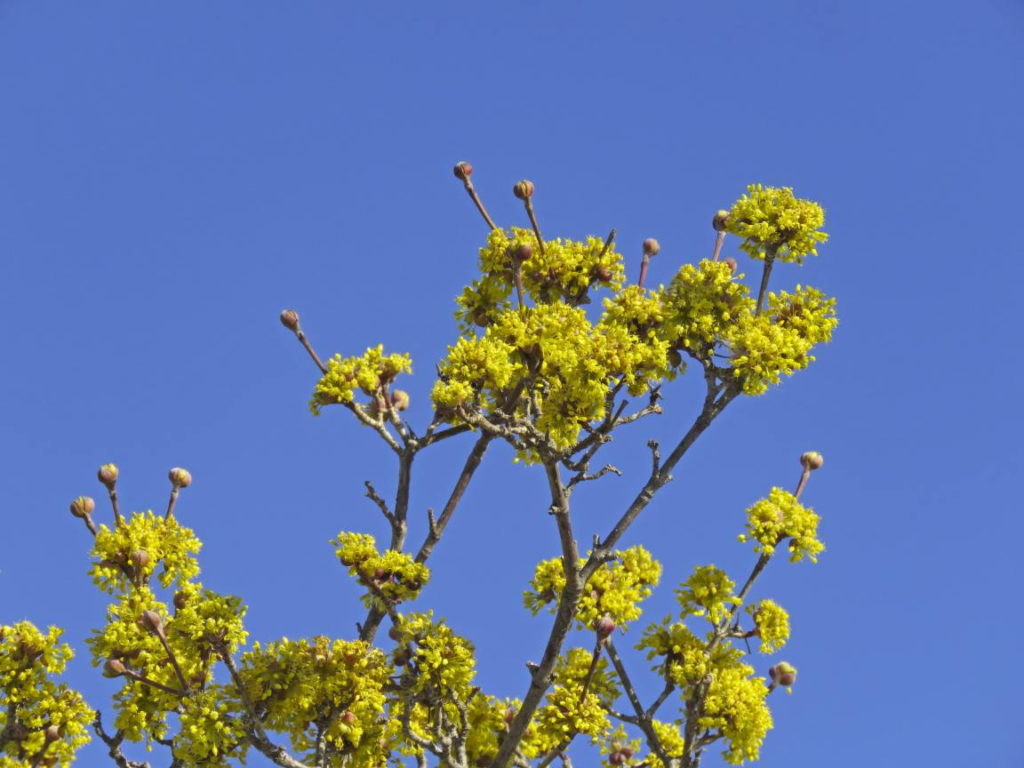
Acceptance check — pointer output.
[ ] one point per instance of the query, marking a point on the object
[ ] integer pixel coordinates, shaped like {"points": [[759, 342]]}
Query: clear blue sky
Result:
{"points": [[173, 175]]}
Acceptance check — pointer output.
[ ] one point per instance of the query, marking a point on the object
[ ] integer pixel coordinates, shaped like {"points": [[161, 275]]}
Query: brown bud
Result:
{"points": [[523, 189], [675, 358], [783, 674], [348, 717], [114, 668], [616, 758], [180, 478], [402, 656], [812, 460], [151, 622], [604, 627], [463, 170], [720, 221], [510, 715], [480, 318], [627, 751], [651, 247], [400, 399], [180, 600], [290, 320], [603, 274], [52, 733], [521, 253], [83, 506], [140, 558], [107, 475], [732, 264]]}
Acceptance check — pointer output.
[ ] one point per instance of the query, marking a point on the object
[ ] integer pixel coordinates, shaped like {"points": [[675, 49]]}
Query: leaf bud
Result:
{"points": [[510, 715], [180, 600], [400, 399], [812, 460], [114, 668], [463, 170], [523, 189], [617, 758], [83, 506], [603, 274], [180, 478], [651, 247], [140, 558], [52, 733], [720, 220], [521, 253], [107, 475], [151, 622], [604, 627], [732, 264], [290, 320]]}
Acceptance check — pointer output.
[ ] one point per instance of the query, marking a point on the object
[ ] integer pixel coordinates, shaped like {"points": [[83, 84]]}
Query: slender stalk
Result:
{"points": [[478, 203], [533, 223], [171, 502], [643, 716], [719, 239], [301, 336], [112, 491], [769, 260]]}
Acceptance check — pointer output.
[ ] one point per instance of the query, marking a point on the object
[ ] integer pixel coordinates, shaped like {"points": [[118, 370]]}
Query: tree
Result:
{"points": [[533, 369]]}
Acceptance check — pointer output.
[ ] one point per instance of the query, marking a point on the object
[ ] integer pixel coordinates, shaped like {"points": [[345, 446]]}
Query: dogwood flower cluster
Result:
{"points": [[42, 722], [571, 707], [392, 577], [779, 517], [371, 373], [771, 624], [772, 219], [615, 590]]}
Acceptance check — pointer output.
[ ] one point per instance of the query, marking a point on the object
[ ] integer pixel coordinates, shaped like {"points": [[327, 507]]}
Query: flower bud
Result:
{"points": [[603, 274], [510, 715], [783, 674], [108, 475], [151, 622], [114, 668], [627, 751], [732, 264], [616, 758], [651, 247], [675, 358], [83, 506], [180, 478], [180, 600], [52, 733], [348, 717], [400, 399], [720, 220], [521, 253], [290, 320], [523, 189], [605, 626], [463, 170], [812, 460], [402, 656], [140, 558]]}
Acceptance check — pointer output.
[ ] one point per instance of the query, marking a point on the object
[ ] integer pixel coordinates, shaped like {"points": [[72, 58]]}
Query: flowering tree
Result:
{"points": [[531, 367]]}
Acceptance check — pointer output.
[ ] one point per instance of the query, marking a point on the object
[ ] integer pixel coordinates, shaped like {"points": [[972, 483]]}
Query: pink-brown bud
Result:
{"points": [[400, 399], [151, 622], [463, 170], [348, 717], [812, 460], [52, 733], [720, 220], [140, 558], [783, 674], [180, 600], [605, 626], [521, 253], [290, 319], [523, 189], [180, 478], [107, 475], [510, 715], [83, 506], [603, 274], [114, 668], [651, 247], [731, 262]]}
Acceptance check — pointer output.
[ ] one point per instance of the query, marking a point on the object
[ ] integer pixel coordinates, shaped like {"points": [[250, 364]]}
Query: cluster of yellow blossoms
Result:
{"points": [[41, 722], [391, 577], [779, 517]]}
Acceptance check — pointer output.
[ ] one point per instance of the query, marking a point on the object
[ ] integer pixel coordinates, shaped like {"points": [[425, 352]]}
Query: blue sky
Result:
{"points": [[173, 175]]}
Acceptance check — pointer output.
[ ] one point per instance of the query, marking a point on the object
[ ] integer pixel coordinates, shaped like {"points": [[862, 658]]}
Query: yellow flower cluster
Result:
{"points": [[444, 660], [567, 711], [564, 271], [208, 620], [735, 706], [372, 373], [771, 623], [683, 657], [163, 541], [708, 592], [702, 305], [779, 517], [615, 589], [671, 740], [766, 346], [771, 219], [486, 717], [297, 683], [392, 576], [42, 722], [210, 733]]}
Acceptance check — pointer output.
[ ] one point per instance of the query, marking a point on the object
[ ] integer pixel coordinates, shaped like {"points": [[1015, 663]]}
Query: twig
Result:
{"points": [[114, 745], [375, 497], [643, 719], [769, 260]]}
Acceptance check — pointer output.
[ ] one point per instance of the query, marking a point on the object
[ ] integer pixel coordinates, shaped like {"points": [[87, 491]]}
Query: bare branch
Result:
{"points": [[643, 719], [371, 493], [114, 745]]}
